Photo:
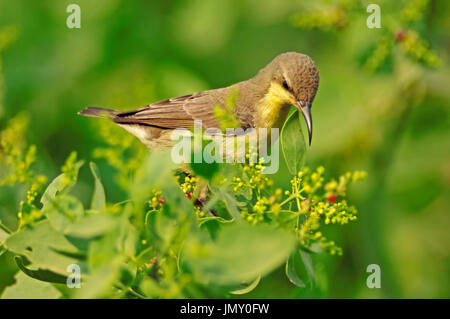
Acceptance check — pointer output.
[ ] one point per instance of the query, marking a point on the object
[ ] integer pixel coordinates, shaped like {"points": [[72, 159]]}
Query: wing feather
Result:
{"points": [[175, 112]]}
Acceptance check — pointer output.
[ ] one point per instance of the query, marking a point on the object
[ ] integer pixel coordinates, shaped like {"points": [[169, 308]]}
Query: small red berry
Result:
{"points": [[162, 200], [400, 35], [188, 195], [332, 198]]}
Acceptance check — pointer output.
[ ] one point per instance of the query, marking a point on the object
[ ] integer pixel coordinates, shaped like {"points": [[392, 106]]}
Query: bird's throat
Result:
{"points": [[273, 108]]}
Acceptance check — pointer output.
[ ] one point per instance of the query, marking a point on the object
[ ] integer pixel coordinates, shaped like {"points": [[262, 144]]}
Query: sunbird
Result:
{"points": [[261, 102]]}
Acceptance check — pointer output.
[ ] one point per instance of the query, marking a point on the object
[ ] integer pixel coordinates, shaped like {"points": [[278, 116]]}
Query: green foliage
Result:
{"points": [[17, 159], [28, 288], [122, 152], [230, 261], [8, 35], [159, 244], [382, 106], [408, 66], [399, 29]]}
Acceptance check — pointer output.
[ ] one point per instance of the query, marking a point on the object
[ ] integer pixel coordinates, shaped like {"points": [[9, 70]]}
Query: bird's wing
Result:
{"points": [[178, 112]]}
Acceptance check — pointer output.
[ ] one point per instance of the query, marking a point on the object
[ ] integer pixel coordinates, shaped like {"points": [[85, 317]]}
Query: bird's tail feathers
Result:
{"points": [[102, 112]]}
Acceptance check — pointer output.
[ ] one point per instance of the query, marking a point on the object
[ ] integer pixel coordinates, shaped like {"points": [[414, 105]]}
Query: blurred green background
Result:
{"points": [[382, 106]]}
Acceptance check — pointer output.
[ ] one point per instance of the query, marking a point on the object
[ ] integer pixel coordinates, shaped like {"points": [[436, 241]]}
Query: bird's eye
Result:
{"points": [[286, 86]]}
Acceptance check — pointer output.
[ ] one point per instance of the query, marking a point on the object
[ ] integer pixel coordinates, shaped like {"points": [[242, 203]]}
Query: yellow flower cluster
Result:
{"points": [[189, 184], [258, 211], [414, 10], [381, 52], [418, 49], [156, 200], [70, 168], [398, 29], [17, 159], [252, 176], [324, 18], [310, 204], [339, 187]]}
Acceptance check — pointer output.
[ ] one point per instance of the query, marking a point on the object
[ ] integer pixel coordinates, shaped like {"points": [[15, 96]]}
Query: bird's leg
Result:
{"points": [[202, 196]]}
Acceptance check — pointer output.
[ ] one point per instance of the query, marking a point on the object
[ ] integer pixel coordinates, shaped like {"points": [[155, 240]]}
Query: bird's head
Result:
{"points": [[294, 79]]}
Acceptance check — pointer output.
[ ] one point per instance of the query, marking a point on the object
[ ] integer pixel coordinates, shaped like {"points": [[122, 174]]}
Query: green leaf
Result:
{"points": [[291, 273], [45, 248], [62, 211], [61, 183], [231, 205], [100, 283], [156, 172], [98, 198], [29, 288], [293, 143], [66, 215], [40, 274], [52, 189], [92, 226], [240, 254], [314, 248], [103, 250], [4, 229], [128, 238], [218, 219], [3, 235], [307, 261], [247, 289]]}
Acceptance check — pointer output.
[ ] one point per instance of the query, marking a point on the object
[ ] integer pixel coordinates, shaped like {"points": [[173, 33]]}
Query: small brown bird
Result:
{"points": [[261, 102]]}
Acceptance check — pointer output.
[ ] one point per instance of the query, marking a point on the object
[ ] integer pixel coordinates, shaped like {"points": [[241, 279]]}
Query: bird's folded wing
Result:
{"points": [[178, 112]]}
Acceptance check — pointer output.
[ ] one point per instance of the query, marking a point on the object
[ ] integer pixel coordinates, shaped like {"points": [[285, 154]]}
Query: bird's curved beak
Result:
{"points": [[305, 108]]}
